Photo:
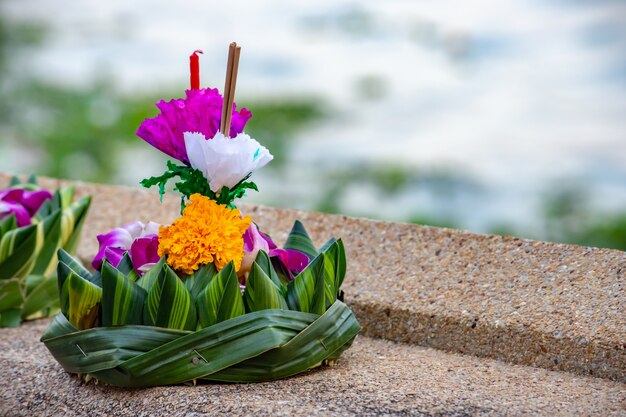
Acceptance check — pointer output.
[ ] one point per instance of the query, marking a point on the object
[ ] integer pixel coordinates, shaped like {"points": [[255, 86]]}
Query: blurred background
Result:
{"points": [[498, 117]]}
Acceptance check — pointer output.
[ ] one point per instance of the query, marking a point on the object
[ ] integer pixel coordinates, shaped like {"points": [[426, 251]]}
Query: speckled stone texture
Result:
{"points": [[559, 307], [373, 378]]}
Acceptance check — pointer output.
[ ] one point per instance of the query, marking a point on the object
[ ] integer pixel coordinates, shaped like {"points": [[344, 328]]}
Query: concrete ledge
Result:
{"points": [[373, 378], [559, 307]]}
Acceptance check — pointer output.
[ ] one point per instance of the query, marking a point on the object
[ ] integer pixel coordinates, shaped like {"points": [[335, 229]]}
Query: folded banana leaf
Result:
{"points": [[260, 346], [28, 254], [164, 328]]}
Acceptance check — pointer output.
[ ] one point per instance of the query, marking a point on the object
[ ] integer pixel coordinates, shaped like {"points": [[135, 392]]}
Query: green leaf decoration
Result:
{"points": [[72, 263], [18, 250], [133, 276], [325, 338], [197, 282], [11, 317], [68, 264], [259, 346], [12, 295], [30, 253], [335, 269], [307, 291], [15, 180], [46, 260], [192, 181], [67, 195], [266, 264], [122, 298], [42, 300], [221, 299], [126, 265], [299, 240], [7, 224], [283, 273], [148, 279], [32, 281], [168, 303], [80, 301], [261, 292], [72, 223]]}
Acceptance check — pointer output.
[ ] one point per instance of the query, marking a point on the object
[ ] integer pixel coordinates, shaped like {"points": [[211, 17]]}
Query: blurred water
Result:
{"points": [[513, 97]]}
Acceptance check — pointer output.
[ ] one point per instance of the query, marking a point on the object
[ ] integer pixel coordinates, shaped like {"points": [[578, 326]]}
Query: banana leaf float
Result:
{"points": [[161, 329], [34, 224], [208, 297]]}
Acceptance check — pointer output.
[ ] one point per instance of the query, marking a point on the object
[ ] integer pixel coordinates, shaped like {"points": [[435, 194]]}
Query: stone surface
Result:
{"points": [[556, 306], [373, 378]]}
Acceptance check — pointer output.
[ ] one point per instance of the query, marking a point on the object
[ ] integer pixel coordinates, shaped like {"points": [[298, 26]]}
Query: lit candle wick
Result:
{"points": [[194, 70]]}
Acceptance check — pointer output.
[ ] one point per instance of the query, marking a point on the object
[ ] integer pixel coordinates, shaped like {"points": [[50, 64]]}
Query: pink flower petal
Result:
{"points": [[12, 195], [294, 260], [135, 229], [21, 214], [253, 242], [117, 238], [144, 251], [113, 255], [33, 200], [200, 111]]}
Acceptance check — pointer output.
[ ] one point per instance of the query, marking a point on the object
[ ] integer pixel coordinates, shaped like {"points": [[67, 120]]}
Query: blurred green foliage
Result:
{"points": [[568, 218]]}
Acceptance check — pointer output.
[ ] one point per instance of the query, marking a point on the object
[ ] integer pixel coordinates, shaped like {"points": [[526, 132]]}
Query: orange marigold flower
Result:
{"points": [[207, 232]]}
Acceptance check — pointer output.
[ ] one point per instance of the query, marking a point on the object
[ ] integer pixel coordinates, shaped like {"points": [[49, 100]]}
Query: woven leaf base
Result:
{"points": [[260, 346]]}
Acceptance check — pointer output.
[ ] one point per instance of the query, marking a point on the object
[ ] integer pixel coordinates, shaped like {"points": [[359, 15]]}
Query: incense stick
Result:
{"points": [[231, 91], [226, 92], [229, 87]]}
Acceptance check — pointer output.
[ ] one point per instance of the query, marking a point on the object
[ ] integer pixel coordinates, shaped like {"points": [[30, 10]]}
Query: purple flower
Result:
{"points": [[141, 241], [255, 240], [144, 252], [200, 111], [294, 260], [22, 203]]}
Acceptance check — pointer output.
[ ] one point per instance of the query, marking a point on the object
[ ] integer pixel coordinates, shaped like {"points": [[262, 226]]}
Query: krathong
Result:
{"points": [[209, 297], [34, 223]]}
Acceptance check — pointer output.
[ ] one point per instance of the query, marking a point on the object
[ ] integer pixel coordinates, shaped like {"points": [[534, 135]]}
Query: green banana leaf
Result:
{"points": [[126, 264], [11, 317], [51, 243], [221, 299], [11, 294], [200, 327], [197, 282], [168, 303], [280, 280], [122, 298], [299, 239], [7, 224], [42, 300], [18, 250], [261, 292], [307, 291], [72, 223], [259, 346], [80, 300], [151, 276], [325, 339], [29, 253]]}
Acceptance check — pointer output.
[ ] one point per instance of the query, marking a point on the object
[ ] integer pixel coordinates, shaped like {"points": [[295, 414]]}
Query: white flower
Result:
{"points": [[225, 161]]}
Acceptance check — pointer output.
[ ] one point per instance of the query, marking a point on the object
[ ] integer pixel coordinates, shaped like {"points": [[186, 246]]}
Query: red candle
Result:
{"points": [[194, 69]]}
